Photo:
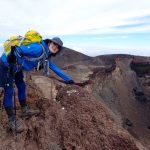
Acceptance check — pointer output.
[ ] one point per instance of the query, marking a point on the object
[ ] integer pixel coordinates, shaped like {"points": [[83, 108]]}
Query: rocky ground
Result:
{"points": [[71, 120], [107, 109]]}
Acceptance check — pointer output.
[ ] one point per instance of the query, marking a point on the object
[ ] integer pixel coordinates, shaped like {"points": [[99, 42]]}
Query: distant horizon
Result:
{"points": [[105, 44], [99, 51]]}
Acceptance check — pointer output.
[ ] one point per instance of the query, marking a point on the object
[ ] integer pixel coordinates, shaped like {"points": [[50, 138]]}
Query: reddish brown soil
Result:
{"points": [[87, 124], [76, 121]]}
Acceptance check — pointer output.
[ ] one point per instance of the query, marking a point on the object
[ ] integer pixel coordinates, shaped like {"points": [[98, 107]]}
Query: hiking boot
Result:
{"points": [[28, 112], [15, 125]]}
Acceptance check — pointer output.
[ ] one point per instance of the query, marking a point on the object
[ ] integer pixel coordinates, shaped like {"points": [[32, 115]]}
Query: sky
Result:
{"points": [[93, 27]]}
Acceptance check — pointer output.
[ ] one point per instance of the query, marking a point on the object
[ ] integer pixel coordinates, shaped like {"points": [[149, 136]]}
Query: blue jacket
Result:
{"points": [[34, 50]]}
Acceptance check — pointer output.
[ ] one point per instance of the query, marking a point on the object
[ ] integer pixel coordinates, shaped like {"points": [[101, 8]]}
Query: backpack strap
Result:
{"points": [[34, 59], [43, 59]]}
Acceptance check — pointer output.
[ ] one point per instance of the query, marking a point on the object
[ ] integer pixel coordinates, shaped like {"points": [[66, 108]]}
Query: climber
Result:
{"points": [[11, 71]]}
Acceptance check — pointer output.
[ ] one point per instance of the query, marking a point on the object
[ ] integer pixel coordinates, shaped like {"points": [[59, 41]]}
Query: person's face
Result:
{"points": [[54, 48]]}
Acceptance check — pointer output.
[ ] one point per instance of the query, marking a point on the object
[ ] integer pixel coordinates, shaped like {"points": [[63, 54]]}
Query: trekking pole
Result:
{"points": [[15, 107], [14, 96], [51, 90], [12, 61]]}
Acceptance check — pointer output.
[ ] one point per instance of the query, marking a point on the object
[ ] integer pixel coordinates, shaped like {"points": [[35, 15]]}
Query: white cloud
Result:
{"points": [[61, 17], [69, 16]]}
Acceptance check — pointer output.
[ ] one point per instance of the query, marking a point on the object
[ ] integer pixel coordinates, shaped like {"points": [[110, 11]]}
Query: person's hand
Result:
{"points": [[11, 58], [70, 82]]}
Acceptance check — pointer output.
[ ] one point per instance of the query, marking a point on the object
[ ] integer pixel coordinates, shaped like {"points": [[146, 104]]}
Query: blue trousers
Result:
{"points": [[9, 90], [6, 81]]}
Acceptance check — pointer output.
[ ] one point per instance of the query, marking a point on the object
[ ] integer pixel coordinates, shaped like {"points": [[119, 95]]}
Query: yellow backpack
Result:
{"points": [[31, 36]]}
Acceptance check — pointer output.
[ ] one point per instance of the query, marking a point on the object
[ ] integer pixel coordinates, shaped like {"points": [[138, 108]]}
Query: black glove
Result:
{"points": [[11, 58], [70, 82]]}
